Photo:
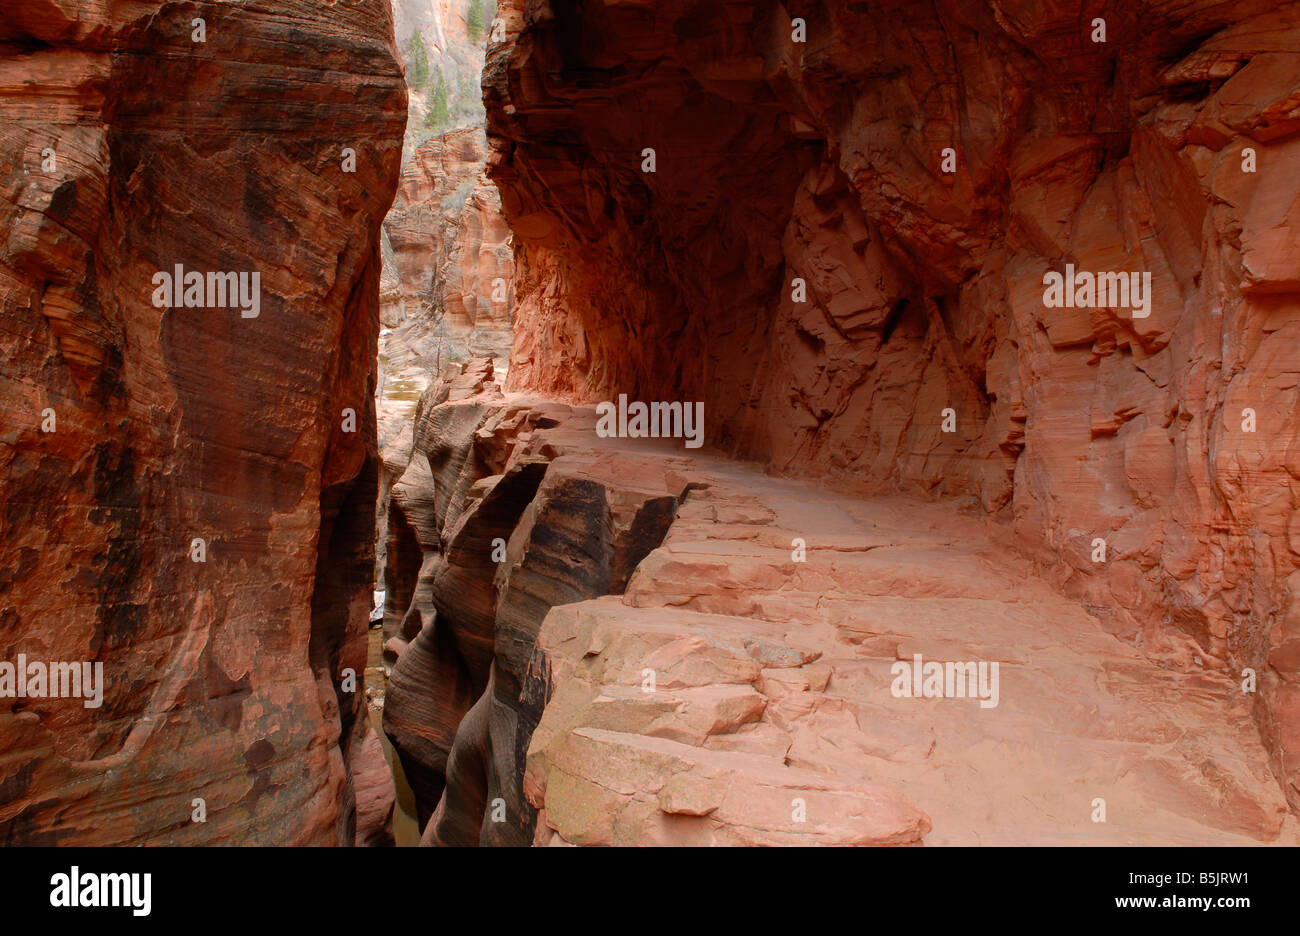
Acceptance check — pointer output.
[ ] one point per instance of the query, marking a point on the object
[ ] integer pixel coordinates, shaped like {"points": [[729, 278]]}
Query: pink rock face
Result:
{"points": [[842, 249], [447, 289], [131, 431]]}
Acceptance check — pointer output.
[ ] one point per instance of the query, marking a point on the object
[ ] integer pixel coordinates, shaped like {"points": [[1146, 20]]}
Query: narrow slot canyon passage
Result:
{"points": [[954, 565], [650, 422]]}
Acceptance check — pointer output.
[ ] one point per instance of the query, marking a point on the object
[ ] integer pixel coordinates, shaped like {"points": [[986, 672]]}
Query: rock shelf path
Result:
{"points": [[772, 718]]}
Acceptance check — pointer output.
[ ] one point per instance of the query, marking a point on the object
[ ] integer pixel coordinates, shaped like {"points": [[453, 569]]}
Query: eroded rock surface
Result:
{"points": [[487, 532], [127, 147], [448, 274], [737, 686], [1169, 149]]}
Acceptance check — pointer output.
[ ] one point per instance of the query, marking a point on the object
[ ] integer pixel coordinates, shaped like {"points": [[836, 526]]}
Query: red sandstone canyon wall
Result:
{"points": [[127, 147], [1170, 149]]}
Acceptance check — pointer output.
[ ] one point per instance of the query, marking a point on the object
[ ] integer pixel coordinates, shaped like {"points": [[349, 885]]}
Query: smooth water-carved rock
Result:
{"points": [[521, 527]]}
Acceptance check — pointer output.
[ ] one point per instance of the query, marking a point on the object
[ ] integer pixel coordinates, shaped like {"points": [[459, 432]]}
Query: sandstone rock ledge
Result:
{"points": [[771, 719], [802, 258]]}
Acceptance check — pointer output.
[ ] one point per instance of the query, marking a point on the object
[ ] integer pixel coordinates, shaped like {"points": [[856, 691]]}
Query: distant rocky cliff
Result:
{"points": [[449, 267], [442, 43]]}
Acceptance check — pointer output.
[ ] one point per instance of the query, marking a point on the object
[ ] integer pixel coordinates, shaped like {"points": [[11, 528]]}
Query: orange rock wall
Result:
{"points": [[823, 161], [224, 678]]}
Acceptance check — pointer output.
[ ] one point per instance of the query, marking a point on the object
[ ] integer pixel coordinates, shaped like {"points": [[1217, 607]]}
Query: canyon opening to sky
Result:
{"points": [[650, 422]]}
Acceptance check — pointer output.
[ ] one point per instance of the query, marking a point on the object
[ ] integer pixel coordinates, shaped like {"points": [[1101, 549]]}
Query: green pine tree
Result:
{"points": [[419, 62], [437, 116], [474, 20]]}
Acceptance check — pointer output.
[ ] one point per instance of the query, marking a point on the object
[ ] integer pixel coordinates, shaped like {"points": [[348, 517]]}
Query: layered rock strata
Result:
{"points": [[448, 272], [189, 489], [676, 649], [485, 535], [841, 250]]}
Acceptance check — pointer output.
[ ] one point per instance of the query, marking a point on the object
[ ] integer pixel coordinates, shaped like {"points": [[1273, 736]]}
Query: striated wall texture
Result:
{"points": [[487, 530], [447, 280], [224, 678], [610, 641], [1169, 148]]}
